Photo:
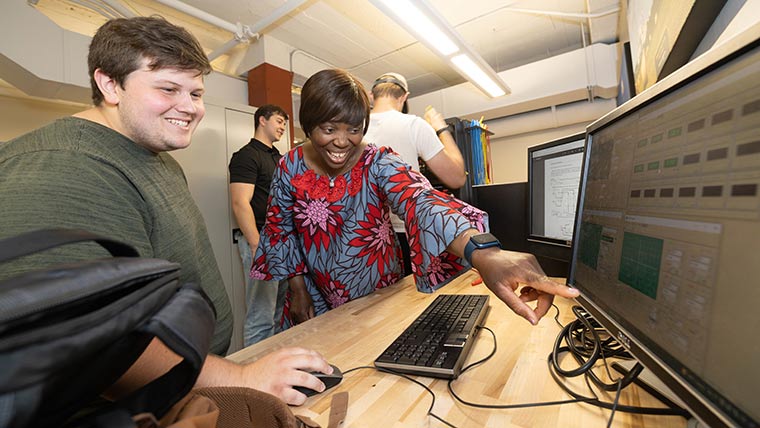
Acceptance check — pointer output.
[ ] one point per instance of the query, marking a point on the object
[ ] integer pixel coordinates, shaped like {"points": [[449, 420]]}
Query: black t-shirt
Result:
{"points": [[255, 163]]}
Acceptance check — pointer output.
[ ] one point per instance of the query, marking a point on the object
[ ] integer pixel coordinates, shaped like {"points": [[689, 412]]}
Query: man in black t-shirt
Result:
{"points": [[251, 170]]}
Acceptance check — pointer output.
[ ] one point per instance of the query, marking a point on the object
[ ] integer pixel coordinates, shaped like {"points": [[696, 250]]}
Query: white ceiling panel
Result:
{"points": [[355, 35]]}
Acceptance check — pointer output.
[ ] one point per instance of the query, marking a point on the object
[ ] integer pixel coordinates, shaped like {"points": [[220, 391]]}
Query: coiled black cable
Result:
{"points": [[584, 343]]}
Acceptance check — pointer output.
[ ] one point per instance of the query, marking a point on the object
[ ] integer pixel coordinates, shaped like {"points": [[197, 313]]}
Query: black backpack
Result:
{"points": [[68, 332]]}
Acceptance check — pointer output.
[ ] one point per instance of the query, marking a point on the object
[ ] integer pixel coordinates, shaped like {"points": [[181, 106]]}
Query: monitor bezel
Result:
{"points": [[549, 144], [689, 392]]}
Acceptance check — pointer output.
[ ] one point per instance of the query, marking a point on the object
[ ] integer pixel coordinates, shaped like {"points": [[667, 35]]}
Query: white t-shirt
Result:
{"points": [[409, 136]]}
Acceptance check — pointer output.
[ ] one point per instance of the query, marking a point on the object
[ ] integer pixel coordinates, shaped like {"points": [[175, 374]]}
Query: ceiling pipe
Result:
{"points": [[295, 52], [197, 13], [242, 33], [120, 8], [228, 45], [565, 14], [98, 7], [278, 13]]}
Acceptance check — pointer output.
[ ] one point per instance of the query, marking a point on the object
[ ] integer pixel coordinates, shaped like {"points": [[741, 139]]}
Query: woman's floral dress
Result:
{"points": [[339, 236]]}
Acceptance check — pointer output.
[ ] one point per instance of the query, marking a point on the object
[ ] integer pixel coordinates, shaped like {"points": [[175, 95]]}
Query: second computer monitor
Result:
{"points": [[554, 170]]}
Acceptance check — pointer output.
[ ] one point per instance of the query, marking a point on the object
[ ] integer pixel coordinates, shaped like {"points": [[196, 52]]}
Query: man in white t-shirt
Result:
{"points": [[412, 137]]}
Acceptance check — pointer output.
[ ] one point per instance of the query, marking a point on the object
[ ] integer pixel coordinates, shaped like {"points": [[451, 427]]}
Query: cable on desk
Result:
{"points": [[583, 342], [556, 316], [585, 345], [393, 372], [500, 406], [615, 403]]}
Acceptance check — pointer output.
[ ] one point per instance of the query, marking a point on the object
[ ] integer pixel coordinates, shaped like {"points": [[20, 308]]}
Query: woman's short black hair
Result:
{"points": [[333, 96]]}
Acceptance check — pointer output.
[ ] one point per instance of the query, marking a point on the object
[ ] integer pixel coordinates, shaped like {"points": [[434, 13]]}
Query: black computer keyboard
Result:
{"points": [[439, 340]]}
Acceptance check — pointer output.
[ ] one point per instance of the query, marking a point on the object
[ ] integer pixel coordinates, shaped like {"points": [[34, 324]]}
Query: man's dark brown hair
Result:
{"points": [[120, 45]]}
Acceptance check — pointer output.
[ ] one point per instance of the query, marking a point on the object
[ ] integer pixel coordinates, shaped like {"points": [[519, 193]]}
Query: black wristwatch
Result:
{"points": [[478, 242]]}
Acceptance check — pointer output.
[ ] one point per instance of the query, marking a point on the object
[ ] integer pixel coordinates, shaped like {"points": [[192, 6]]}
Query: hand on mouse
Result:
{"points": [[275, 373]]}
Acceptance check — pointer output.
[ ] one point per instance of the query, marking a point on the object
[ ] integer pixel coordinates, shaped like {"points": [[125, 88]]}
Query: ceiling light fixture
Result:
{"points": [[466, 65], [430, 28]]}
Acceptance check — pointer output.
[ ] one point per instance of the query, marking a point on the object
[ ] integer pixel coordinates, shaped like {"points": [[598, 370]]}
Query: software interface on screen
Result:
{"points": [[555, 171], [669, 239]]}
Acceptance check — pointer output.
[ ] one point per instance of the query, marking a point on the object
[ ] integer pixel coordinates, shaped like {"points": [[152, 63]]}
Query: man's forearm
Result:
{"points": [[451, 148], [156, 360], [218, 371], [246, 221]]}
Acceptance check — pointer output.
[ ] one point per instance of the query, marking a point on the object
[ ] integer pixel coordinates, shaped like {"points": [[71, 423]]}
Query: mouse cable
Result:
{"points": [[393, 372], [499, 406]]}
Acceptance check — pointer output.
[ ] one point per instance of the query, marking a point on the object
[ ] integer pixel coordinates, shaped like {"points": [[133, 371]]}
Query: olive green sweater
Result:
{"points": [[75, 173]]}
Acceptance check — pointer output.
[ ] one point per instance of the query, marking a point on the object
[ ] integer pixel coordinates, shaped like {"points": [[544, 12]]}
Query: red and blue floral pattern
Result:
{"points": [[340, 238]]}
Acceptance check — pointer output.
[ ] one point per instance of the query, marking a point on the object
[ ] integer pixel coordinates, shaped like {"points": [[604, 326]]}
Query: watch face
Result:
{"points": [[484, 238]]}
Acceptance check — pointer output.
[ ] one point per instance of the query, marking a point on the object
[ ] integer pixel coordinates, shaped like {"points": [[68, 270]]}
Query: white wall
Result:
{"points": [[510, 154], [735, 17], [227, 90], [19, 116]]}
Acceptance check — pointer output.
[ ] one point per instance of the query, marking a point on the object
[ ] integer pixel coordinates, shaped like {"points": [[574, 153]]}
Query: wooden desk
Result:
{"points": [[356, 333]]}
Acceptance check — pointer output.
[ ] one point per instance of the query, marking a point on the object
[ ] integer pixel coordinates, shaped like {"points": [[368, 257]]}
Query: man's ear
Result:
{"points": [[401, 101], [108, 87]]}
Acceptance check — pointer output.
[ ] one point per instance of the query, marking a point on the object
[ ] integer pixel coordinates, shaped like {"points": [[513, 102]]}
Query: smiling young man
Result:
{"points": [[251, 169], [107, 170]]}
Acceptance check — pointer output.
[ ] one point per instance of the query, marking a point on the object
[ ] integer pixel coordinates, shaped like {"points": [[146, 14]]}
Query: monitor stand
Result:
{"points": [[654, 386]]}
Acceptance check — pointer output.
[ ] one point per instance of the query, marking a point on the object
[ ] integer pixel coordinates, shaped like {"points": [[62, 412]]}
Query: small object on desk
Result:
{"points": [[338, 409], [330, 380], [477, 281]]}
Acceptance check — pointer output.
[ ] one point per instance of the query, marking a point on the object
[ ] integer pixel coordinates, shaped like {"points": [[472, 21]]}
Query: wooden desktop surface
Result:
{"points": [[356, 333]]}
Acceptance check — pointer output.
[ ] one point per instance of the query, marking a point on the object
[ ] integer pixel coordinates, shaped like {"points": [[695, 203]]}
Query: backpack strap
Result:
{"points": [[190, 340], [45, 239]]}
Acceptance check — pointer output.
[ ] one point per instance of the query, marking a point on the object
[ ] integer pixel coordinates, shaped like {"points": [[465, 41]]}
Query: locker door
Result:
{"points": [[239, 132]]}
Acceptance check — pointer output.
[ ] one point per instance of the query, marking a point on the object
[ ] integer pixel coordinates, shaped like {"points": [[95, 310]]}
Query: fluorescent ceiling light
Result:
{"points": [[476, 75], [421, 25], [422, 20]]}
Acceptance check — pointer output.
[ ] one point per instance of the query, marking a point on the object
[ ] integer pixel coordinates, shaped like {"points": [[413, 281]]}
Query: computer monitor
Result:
{"points": [[554, 171], [666, 253]]}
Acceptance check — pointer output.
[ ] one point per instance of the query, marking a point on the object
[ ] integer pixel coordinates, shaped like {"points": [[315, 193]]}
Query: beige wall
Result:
{"points": [[510, 154], [18, 116]]}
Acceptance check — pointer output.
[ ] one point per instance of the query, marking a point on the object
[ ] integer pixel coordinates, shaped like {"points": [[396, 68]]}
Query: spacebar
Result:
{"points": [[407, 361], [456, 340]]}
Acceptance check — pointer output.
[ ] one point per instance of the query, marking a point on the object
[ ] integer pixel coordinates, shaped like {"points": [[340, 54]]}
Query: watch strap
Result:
{"points": [[472, 245]]}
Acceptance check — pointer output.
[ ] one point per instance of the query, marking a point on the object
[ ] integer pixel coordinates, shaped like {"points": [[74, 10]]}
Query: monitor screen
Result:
{"points": [[554, 171], [667, 246]]}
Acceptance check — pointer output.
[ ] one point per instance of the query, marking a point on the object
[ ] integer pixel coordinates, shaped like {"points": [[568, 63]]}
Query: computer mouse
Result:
{"points": [[330, 380]]}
